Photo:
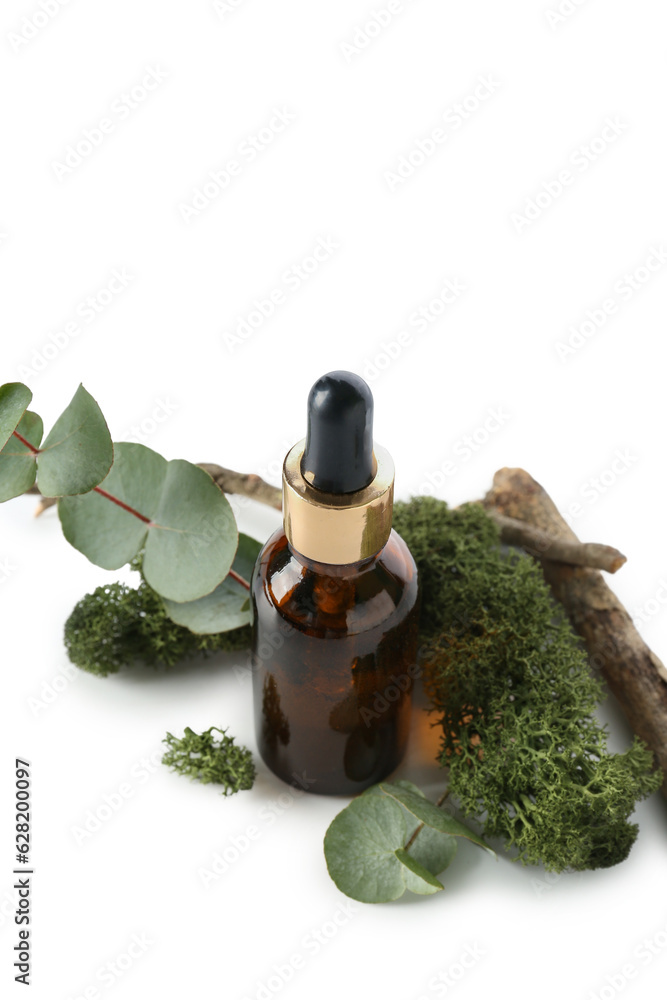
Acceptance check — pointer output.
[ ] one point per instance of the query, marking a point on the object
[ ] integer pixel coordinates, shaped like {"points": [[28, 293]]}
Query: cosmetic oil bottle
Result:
{"points": [[335, 602]]}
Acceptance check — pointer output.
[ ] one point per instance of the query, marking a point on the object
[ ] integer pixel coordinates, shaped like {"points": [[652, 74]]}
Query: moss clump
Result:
{"points": [[204, 758], [511, 684], [118, 625]]}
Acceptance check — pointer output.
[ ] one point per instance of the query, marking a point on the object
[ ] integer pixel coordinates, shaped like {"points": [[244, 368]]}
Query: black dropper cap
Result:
{"points": [[338, 457]]}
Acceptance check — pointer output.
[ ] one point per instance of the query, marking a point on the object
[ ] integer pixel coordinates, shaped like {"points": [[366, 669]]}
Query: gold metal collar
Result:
{"points": [[337, 528]]}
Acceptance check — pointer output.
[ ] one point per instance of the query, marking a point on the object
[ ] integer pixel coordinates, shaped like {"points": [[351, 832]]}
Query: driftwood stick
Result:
{"points": [[636, 676], [44, 502], [244, 484], [541, 544]]}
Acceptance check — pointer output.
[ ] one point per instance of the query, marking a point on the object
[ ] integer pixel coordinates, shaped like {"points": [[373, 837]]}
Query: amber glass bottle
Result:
{"points": [[335, 602]]}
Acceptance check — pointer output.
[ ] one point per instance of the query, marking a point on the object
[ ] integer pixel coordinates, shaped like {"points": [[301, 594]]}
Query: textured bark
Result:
{"points": [[244, 484], [636, 676], [564, 550]]}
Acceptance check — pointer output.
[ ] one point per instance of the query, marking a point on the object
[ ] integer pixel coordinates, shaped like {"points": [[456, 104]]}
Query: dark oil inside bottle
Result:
{"points": [[334, 657]]}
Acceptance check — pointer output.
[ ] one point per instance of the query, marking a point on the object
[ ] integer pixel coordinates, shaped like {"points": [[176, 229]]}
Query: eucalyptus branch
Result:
{"points": [[182, 518], [239, 579], [25, 442], [119, 503], [241, 483]]}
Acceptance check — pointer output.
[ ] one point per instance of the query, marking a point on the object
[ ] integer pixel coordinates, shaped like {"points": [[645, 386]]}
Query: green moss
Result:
{"points": [[454, 550], [204, 758], [515, 697], [117, 626]]}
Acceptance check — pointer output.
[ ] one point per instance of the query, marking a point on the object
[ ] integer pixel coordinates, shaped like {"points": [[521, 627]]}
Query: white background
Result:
{"points": [[160, 361]]}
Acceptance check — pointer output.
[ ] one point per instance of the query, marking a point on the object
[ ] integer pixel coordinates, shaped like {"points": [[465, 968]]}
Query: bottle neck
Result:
{"points": [[341, 571]]}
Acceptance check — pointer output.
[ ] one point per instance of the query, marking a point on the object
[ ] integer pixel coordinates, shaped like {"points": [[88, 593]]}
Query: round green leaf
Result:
{"points": [[227, 606], [14, 400], [360, 849], [17, 462], [191, 545], [177, 514], [106, 533], [77, 453], [365, 845]]}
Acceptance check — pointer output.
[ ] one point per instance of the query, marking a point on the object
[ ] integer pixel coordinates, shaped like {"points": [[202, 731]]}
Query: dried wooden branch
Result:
{"points": [[542, 544], [636, 676], [245, 484]]}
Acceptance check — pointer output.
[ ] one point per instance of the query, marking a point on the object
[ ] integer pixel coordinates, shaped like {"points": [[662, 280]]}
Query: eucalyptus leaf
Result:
{"points": [[407, 785], [15, 398], [365, 850], [108, 535], [227, 606], [191, 547], [432, 849], [430, 814], [417, 878], [360, 849], [176, 513], [18, 466], [390, 839], [77, 453]]}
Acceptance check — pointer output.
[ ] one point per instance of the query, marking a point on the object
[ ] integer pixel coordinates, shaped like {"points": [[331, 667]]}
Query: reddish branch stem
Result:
{"points": [[418, 829], [26, 443], [239, 579], [120, 503], [142, 517], [98, 489]]}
